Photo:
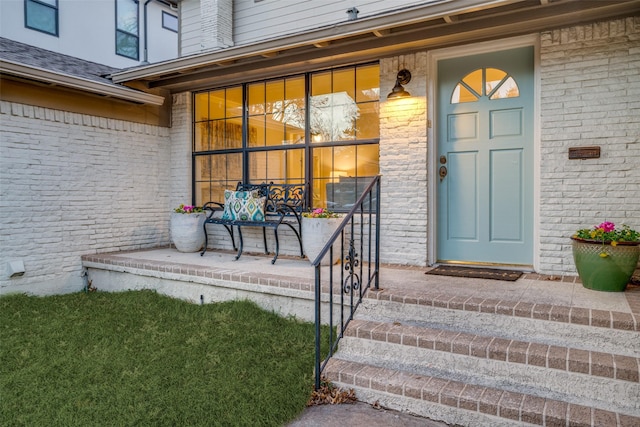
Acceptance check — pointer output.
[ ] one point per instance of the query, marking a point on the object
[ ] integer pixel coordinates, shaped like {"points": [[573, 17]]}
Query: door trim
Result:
{"points": [[432, 68]]}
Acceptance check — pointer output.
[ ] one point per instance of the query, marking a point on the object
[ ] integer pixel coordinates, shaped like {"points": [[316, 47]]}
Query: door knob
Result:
{"points": [[443, 172]]}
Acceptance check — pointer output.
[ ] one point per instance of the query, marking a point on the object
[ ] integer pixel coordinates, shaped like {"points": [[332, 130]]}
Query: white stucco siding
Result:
{"points": [[73, 184], [87, 30], [590, 96], [256, 21]]}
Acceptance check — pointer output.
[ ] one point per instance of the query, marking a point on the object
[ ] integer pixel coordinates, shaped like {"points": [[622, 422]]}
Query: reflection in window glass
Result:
{"points": [[493, 79], [336, 110], [497, 84], [508, 89], [127, 42], [215, 173], [367, 84], [42, 15], [273, 142], [276, 111]]}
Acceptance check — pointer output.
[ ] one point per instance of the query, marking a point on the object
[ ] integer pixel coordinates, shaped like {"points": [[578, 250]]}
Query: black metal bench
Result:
{"points": [[284, 204]]}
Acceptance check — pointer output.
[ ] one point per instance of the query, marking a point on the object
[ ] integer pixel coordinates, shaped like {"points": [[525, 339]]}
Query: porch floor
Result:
{"points": [[532, 295]]}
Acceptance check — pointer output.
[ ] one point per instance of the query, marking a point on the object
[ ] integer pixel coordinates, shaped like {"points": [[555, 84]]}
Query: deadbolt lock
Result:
{"points": [[443, 172]]}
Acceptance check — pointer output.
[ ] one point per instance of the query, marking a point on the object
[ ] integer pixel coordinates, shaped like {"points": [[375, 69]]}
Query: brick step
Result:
{"points": [[553, 325], [485, 361], [460, 403], [596, 363]]}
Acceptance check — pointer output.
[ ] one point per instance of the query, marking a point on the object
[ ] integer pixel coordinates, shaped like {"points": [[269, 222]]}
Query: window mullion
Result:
{"points": [[245, 142]]}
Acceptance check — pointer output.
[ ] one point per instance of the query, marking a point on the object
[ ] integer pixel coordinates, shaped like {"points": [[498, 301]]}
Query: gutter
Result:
{"points": [[78, 83]]}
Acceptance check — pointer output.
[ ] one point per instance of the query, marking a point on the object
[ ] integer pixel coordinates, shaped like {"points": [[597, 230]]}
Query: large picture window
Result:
{"points": [[127, 39], [320, 127], [42, 15]]}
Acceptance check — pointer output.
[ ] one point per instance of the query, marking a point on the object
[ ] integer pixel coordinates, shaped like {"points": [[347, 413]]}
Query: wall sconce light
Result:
{"points": [[403, 77]]}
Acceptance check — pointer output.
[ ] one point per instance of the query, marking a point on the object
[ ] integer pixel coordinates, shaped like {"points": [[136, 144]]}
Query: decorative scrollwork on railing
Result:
{"points": [[352, 281]]}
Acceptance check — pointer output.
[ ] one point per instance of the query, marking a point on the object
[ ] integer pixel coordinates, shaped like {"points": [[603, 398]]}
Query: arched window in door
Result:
{"points": [[490, 82]]}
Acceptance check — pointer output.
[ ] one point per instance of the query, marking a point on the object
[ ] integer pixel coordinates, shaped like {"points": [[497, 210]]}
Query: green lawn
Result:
{"points": [[139, 358]]}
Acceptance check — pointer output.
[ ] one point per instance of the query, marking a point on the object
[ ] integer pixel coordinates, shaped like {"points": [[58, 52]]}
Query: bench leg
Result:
{"points": [[230, 231], [264, 238], [298, 234], [241, 244], [206, 239], [275, 232]]}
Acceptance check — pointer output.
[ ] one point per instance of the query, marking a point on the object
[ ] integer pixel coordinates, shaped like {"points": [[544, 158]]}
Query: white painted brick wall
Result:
{"points": [[590, 95], [216, 23], [403, 163], [73, 184], [181, 142]]}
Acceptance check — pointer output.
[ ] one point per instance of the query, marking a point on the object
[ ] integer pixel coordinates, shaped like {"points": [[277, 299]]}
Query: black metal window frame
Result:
{"points": [[52, 9], [307, 144], [123, 32]]}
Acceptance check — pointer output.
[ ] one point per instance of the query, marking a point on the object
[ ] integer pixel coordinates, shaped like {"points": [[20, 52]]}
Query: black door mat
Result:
{"points": [[476, 273]]}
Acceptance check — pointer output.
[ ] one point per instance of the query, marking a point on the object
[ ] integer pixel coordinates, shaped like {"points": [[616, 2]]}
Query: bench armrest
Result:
{"points": [[212, 208], [288, 210]]}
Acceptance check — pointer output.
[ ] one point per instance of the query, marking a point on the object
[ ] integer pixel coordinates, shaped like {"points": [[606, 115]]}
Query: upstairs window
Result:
{"points": [[169, 22], [127, 39], [41, 15]]}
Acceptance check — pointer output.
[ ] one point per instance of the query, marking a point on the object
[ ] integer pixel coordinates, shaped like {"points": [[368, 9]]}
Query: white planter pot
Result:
{"points": [[316, 233], [187, 233]]}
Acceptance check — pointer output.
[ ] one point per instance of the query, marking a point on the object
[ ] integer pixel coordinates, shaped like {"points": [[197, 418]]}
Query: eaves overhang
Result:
{"points": [[432, 25], [56, 78]]}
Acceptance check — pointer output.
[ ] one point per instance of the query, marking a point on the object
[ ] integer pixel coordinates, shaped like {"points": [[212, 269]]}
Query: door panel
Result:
{"points": [[506, 201], [485, 141], [463, 197], [463, 126]]}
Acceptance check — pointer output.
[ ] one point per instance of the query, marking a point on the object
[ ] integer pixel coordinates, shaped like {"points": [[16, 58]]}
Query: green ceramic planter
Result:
{"points": [[610, 273]]}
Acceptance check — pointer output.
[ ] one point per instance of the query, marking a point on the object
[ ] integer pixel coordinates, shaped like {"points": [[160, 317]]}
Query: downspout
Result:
{"points": [[145, 59], [171, 6]]}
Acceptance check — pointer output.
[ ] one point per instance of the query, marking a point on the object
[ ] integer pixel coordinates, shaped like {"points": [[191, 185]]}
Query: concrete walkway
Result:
{"points": [[359, 415]]}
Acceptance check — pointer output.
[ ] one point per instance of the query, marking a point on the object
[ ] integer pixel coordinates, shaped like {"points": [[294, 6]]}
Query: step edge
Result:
{"points": [[513, 403], [575, 360], [540, 311]]}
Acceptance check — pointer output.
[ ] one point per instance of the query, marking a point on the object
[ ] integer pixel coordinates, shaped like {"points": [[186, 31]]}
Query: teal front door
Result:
{"points": [[485, 158]]}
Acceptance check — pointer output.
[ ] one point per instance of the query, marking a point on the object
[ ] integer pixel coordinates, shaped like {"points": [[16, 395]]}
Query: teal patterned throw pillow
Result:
{"points": [[243, 205]]}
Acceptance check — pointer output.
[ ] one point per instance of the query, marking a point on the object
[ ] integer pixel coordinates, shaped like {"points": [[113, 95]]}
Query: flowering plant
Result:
{"points": [[320, 213], [608, 234], [187, 209]]}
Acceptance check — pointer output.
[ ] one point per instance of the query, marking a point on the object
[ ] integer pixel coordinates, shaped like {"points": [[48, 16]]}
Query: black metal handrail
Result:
{"points": [[352, 269]]}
